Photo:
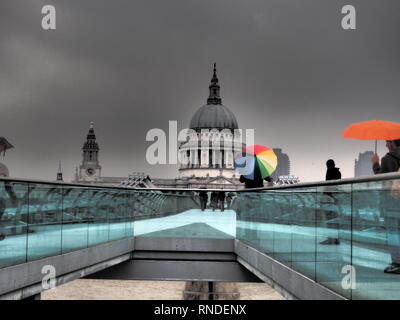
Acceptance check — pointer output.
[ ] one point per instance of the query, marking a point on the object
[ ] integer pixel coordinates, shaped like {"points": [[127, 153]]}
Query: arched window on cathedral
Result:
{"points": [[188, 157], [217, 160], [199, 158]]}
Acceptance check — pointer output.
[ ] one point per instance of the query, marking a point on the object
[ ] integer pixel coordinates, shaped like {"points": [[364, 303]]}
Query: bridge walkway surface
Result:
{"points": [[329, 240]]}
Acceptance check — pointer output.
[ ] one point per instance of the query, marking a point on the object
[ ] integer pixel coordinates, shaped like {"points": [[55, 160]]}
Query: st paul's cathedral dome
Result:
{"points": [[214, 143], [214, 115]]}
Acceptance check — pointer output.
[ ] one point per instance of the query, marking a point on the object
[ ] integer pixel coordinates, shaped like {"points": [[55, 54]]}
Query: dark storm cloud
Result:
{"points": [[286, 69]]}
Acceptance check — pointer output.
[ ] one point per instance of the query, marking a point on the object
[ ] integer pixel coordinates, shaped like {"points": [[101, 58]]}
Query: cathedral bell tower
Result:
{"points": [[90, 170]]}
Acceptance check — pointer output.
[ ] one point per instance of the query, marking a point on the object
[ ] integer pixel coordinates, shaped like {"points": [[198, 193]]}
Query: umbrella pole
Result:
{"points": [[376, 146]]}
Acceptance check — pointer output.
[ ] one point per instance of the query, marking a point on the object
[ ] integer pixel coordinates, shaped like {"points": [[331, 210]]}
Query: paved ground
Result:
{"points": [[89, 289]]}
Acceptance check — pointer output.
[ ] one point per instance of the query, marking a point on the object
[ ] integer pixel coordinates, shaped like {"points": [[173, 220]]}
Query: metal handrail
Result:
{"points": [[378, 177]]}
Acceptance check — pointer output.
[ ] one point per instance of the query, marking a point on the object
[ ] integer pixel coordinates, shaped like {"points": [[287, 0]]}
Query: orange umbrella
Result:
{"points": [[373, 130]]}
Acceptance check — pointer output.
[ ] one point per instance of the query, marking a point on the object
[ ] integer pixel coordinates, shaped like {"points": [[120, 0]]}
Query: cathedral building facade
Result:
{"points": [[214, 142], [207, 156]]}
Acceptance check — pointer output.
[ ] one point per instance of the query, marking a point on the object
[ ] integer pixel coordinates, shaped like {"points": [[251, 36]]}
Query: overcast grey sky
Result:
{"points": [[286, 69]]}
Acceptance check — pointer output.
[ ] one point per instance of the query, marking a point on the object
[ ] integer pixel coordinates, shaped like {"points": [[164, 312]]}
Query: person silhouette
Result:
{"points": [[203, 199], [221, 199], [332, 173], [257, 181], [214, 200], [390, 204]]}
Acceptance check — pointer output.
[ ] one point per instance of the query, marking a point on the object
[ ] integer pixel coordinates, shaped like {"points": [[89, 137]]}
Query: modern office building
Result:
{"points": [[362, 165], [4, 145], [283, 168], [4, 173]]}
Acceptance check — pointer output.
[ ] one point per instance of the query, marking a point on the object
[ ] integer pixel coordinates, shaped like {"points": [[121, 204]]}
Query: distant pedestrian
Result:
{"points": [[229, 198], [221, 199], [257, 181], [390, 204], [203, 199], [214, 200], [332, 173]]}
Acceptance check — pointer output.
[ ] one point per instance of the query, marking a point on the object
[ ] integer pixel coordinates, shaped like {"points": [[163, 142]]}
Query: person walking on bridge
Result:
{"points": [[221, 199], [390, 163], [214, 200], [332, 173], [203, 199]]}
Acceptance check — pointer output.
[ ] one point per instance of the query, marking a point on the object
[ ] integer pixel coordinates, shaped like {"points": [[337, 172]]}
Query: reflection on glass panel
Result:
{"points": [[256, 213], [246, 211], [117, 215], [13, 222], [45, 218], [333, 236], [75, 219], [263, 222], [129, 214], [252, 230], [303, 221], [376, 240], [283, 228], [100, 203]]}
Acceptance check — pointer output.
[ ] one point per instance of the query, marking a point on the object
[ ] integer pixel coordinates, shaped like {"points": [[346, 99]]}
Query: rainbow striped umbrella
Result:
{"points": [[257, 162]]}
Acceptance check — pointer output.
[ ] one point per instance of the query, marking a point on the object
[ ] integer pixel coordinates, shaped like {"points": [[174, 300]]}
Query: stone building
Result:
{"points": [[207, 155], [90, 169]]}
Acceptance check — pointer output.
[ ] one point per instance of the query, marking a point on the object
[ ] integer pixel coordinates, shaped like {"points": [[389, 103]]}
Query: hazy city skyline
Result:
{"points": [[286, 69]]}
